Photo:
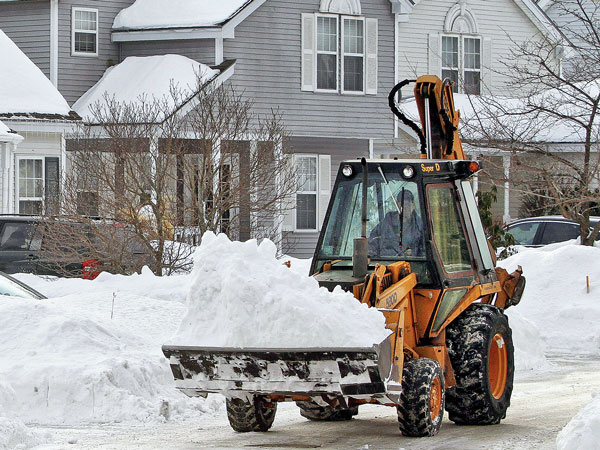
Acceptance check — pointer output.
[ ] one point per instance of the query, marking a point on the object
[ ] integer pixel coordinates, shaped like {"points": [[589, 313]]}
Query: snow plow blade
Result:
{"points": [[313, 372]]}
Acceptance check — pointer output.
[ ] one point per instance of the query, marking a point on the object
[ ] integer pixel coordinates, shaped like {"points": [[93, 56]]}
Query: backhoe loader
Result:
{"points": [[405, 237]]}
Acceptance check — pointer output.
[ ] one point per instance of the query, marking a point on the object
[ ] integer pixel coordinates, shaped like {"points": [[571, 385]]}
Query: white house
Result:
{"points": [[32, 107]]}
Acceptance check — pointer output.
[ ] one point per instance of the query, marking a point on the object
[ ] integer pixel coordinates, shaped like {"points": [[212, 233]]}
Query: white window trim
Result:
{"points": [[18, 178], [73, 52], [461, 58], [336, 53], [316, 192], [343, 54]]}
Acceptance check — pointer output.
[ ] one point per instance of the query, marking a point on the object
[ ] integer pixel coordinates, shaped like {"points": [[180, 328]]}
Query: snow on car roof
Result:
{"points": [[139, 79], [152, 14], [24, 89]]}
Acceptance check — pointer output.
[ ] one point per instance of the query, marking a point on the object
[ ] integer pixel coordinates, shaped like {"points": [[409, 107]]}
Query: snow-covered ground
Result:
{"points": [[91, 352]]}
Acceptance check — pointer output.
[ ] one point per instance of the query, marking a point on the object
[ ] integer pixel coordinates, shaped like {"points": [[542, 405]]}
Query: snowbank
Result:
{"points": [[122, 83], [242, 296], [527, 341], [555, 298], [91, 356], [23, 86], [583, 431], [176, 13]]}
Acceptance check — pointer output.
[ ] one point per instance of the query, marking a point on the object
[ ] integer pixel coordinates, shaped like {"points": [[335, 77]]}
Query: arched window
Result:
{"points": [[461, 49]]}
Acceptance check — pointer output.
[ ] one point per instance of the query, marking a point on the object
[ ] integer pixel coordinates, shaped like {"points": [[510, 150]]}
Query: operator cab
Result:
{"points": [[423, 212]]}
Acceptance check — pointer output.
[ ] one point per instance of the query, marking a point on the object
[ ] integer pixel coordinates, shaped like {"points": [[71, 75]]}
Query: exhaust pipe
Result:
{"points": [[360, 253]]}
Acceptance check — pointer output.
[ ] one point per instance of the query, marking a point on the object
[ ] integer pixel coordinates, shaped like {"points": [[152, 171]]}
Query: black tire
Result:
{"points": [[255, 413], [314, 411], [422, 380], [480, 397]]}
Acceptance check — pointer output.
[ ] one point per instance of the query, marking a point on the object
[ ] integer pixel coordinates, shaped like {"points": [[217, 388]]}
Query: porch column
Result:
{"points": [[506, 165]]}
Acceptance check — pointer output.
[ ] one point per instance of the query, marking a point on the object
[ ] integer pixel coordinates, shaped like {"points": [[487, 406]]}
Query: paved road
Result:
{"points": [[541, 406]]}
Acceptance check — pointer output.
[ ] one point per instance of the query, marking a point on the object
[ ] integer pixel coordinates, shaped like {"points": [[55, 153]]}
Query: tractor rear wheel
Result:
{"points": [[421, 407], [482, 355], [313, 411], [254, 413]]}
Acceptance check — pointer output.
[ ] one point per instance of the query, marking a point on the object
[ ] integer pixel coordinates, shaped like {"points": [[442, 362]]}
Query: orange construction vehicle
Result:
{"points": [[405, 237]]}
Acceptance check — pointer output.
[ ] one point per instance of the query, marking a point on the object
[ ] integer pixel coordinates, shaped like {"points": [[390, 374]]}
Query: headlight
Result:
{"points": [[347, 171], [408, 172]]}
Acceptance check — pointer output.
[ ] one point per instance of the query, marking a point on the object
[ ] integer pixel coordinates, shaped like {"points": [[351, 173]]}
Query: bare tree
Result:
{"points": [[163, 170], [552, 128]]}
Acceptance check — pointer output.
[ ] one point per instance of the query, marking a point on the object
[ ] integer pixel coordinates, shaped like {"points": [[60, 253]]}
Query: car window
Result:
{"points": [[19, 236], [524, 233], [559, 232]]}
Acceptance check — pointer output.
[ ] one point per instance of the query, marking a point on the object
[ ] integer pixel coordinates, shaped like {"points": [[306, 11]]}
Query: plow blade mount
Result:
{"points": [[338, 372]]}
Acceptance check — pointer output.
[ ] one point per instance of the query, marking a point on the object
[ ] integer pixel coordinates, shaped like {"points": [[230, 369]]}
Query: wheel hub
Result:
{"points": [[498, 366], [435, 399]]}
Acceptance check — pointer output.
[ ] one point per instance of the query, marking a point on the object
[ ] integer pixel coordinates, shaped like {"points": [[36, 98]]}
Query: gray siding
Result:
{"points": [[28, 25], [76, 74], [201, 50], [268, 54], [302, 245]]}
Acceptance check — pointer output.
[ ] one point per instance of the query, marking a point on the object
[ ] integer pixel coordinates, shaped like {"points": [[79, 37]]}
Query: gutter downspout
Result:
{"points": [[54, 42]]}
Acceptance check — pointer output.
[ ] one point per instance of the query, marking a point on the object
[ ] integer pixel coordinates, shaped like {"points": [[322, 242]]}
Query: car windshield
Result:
{"points": [[392, 234], [14, 288]]}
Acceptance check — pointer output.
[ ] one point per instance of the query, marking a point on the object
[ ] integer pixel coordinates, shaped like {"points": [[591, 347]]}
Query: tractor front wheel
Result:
{"points": [[482, 355], [253, 413], [421, 407]]}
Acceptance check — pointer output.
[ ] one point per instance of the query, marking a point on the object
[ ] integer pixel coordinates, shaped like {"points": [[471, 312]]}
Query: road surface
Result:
{"points": [[541, 406]]}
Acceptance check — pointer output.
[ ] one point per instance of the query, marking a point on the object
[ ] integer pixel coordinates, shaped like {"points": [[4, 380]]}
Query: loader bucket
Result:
{"points": [[311, 372]]}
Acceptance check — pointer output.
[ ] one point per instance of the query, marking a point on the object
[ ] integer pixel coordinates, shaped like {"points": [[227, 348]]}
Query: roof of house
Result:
{"points": [[24, 90], [7, 135], [144, 81], [158, 14]]}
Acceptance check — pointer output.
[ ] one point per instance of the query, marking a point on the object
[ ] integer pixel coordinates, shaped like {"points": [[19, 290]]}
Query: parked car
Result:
{"points": [[66, 247], [544, 230], [15, 288]]}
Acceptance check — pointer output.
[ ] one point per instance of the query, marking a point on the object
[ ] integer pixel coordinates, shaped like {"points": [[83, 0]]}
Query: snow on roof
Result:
{"points": [[24, 89], [476, 112], [139, 79], [6, 135], [144, 14]]}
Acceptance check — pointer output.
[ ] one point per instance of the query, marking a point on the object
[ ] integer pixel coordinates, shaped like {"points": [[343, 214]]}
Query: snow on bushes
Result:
{"points": [[242, 296], [583, 431]]}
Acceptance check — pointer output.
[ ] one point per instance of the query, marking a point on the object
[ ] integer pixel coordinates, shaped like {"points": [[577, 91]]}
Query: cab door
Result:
{"points": [[451, 250]]}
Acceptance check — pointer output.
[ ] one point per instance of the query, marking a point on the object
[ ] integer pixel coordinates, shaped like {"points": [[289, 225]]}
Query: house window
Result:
{"points": [[354, 55], [31, 186], [306, 195], [461, 62], [327, 53], [84, 32]]}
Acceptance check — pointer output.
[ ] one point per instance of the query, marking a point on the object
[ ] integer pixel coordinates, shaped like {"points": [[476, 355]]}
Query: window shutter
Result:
{"points": [[52, 184], [371, 34], [289, 203], [486, 69], [308, 52], [324, 186], [435, 55]]}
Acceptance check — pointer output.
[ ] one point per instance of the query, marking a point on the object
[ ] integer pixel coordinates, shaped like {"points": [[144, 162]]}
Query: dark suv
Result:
{"points": [[544, 230], [25, 246]]}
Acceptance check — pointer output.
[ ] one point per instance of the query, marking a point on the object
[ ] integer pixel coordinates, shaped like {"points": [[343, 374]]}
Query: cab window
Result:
{"points": [[448, 232]]}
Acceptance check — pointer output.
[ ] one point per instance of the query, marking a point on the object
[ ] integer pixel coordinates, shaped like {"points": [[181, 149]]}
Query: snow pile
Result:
{"points": [[23, 86], [13, 433], [583, 431], [176, 13], [92, 356], [242, 296], [556, 299], [122, 83], [527, 341]]}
